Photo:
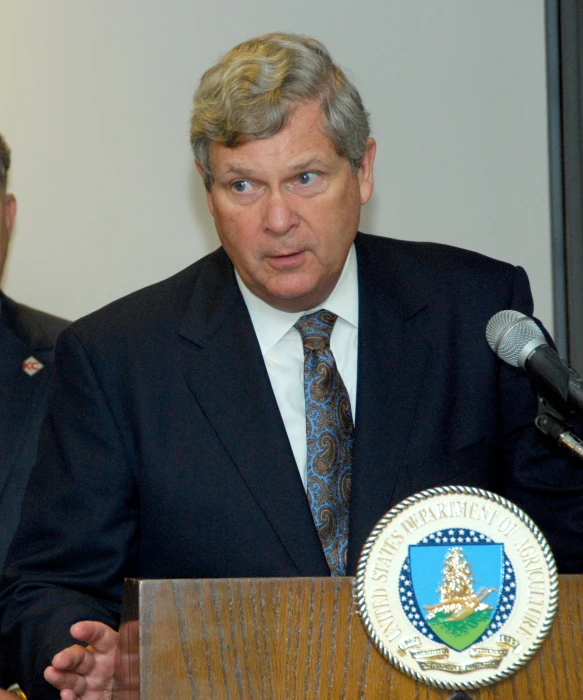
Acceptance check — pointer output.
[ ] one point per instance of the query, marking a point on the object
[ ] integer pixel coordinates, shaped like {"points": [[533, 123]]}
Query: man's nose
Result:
{"points": [[280, 214]]}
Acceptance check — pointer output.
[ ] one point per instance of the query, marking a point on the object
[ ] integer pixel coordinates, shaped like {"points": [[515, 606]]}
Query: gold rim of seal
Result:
{"points": [[553, 592]]}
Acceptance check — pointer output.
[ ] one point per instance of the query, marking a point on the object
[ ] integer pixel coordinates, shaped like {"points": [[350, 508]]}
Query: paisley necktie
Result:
{"points": [[330, 437]]}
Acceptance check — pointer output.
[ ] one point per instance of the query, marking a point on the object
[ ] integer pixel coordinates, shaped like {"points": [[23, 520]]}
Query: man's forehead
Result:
{"points": [[303, 140]]}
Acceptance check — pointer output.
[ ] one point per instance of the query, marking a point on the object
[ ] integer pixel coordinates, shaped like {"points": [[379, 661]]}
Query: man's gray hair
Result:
{"points": [[252, 91], [4, 164]]}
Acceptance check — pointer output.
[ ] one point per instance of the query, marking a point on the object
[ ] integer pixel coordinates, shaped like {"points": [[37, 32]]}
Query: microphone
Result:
{"points": [[517, 339]]}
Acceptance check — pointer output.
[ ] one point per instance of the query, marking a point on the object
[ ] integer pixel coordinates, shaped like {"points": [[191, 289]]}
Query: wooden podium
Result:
{"points": [[299, 639]]}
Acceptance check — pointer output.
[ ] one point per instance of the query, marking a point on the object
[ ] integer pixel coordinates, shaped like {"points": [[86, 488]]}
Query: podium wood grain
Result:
{"points": [[299, 639]]}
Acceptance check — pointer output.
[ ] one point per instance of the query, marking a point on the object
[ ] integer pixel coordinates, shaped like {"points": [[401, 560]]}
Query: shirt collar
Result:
{"points": [[271, 324]]}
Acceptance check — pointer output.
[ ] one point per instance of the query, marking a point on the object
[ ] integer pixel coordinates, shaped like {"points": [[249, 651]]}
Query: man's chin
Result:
{"points": [[294, 300]]}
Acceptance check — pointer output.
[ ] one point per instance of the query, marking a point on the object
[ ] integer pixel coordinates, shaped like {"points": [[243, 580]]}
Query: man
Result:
{"points": [[183, 436], [26, 358]]}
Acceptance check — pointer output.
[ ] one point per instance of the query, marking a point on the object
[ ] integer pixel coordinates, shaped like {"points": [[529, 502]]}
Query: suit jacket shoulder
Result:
{"points": [[426, 261], [442, 278], [36, 329]]}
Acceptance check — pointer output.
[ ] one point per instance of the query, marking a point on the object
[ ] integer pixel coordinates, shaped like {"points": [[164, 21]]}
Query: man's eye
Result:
{"points": [[241, 186], [307, 178]]}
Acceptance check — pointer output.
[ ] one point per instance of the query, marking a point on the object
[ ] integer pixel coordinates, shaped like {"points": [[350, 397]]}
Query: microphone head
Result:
{"points": [[509, 333]]}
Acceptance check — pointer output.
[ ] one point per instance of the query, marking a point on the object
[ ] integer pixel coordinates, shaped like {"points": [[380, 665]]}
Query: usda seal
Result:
{"points": [[457, 587]]}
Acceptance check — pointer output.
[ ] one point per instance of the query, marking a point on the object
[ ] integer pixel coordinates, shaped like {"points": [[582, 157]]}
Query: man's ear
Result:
{"points": [[206, 190], [10, 207], [366, 171]]}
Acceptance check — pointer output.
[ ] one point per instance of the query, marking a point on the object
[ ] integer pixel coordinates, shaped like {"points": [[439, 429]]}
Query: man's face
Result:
{"points": [[7, 215], [286, 209]]}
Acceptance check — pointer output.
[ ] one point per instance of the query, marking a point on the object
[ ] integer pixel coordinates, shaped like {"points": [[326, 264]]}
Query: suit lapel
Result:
{"points": [[229, 380], [392, 357]]}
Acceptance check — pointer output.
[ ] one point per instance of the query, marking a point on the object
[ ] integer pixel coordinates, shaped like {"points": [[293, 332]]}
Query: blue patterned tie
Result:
{"points": [[330, 436]]}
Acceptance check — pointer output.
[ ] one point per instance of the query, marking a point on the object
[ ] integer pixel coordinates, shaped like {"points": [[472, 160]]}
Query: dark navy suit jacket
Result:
{"points": [[24, 332], [164, 454]]}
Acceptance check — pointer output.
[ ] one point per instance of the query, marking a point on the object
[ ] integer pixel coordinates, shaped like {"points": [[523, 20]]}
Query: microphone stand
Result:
{"points": [[552, 423]]}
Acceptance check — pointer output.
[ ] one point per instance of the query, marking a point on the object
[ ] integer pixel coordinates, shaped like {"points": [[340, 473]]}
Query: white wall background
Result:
{"points": [[95, 100]]}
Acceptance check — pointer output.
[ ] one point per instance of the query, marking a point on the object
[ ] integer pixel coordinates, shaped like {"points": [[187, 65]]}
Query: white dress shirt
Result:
{"points": [[283, 353]]}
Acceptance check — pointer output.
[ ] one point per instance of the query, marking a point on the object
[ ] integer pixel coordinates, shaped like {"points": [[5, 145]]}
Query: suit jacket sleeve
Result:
{"points": [[75, 554], [542, 479]]}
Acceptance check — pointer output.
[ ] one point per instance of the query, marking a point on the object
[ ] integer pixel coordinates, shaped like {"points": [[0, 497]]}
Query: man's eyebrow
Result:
{"points": [[292, 168], [306, 165], [238, 170]]}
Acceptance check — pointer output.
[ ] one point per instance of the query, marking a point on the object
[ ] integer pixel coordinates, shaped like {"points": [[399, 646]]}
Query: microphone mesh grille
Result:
{"points": [[508, 332]]}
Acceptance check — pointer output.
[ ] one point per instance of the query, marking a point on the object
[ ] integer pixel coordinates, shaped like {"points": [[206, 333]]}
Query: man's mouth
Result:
{"points": [[287, 259]]}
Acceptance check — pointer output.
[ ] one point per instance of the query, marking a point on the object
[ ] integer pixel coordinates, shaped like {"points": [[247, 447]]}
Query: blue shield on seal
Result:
{"points": [[457, 586]]}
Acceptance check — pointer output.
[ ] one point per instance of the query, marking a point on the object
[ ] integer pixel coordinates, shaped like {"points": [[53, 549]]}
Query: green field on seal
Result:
{"points": [[460, 634]]}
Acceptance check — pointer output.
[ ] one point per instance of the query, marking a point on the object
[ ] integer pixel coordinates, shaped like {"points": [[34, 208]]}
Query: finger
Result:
{"points": [[75, 658], [101, 637], [65, 681], [68, 695]]}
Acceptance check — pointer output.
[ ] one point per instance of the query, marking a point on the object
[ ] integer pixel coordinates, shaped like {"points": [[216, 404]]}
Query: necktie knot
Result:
{"points": [[316, 329]]}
